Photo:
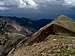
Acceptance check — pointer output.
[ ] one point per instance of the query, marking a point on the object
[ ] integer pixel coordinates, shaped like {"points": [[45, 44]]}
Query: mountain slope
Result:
{"points": [[54, 39], [62, 25], [14, 31], [13, 26], [54, 45]]}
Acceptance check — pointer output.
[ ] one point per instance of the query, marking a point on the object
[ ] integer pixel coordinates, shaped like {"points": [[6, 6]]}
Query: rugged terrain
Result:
{"points": [[54, 45], [55, 39], [11, 33], [14, 32]]}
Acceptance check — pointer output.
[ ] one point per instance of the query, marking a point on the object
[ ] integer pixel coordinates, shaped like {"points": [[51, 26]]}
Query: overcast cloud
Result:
{"points": [[37, 8]]}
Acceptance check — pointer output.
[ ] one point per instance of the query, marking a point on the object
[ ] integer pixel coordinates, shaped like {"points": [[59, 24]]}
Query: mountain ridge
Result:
{"points": [[57, 26], [54, 39], [32, 25]]}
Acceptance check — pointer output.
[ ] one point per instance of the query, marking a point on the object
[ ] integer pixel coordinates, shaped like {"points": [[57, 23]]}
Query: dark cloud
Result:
{"points": [[37, 8]]}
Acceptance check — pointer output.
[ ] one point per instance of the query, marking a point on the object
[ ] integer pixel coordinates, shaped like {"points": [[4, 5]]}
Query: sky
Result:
{"points": [[37, 9]]}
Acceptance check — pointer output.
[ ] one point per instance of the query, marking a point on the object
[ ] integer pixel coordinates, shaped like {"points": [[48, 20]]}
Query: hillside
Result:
{"points": [[55, 39]]}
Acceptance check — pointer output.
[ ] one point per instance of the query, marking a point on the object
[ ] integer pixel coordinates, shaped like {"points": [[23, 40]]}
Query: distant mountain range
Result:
{"points": [[40, 23], [32, 25]]}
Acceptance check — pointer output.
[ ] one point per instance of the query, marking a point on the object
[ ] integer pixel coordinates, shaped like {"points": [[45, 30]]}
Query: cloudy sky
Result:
{"points": [[37, 8]]}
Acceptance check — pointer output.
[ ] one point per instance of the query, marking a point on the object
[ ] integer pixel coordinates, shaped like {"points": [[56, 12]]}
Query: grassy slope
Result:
{"points": [[66, 22]]}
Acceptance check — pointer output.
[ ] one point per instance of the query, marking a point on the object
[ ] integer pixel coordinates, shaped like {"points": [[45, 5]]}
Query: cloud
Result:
{"points": [[18, 3], [35, 3], [69, 2], [27, 4], [36, 8], [4, 8]]}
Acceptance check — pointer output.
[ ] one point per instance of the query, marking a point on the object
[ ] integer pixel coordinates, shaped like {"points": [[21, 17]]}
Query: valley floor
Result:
{"points": [[53, 45]]}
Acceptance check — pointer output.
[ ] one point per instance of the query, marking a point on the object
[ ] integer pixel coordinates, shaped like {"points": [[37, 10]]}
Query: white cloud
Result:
{"points": [[27, 4], [4, 8], [2, 3], [69, 2], [19, 3], [35, 3]]}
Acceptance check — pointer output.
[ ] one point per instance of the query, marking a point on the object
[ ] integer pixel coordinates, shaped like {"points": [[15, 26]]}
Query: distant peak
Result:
{"points": [[63, 17]]}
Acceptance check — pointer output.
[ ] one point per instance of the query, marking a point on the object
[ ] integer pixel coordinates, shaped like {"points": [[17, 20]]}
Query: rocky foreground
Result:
{"points": [[54, 45]]}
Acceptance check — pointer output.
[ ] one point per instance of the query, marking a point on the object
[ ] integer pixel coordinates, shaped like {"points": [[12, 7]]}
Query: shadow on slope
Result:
{"points": [[60, 26]]}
